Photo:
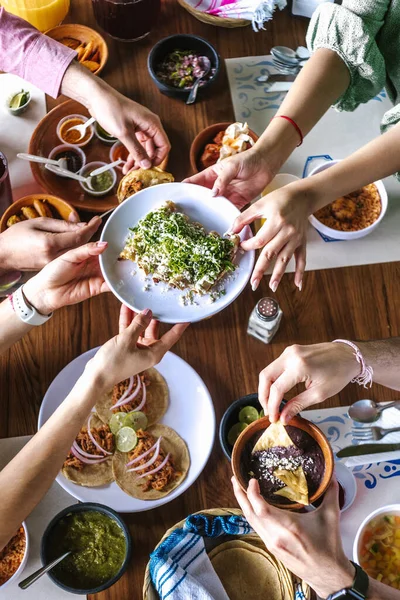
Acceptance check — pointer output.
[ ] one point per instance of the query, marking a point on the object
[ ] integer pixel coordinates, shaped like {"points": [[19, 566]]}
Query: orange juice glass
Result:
{"points": [[42, 14]]}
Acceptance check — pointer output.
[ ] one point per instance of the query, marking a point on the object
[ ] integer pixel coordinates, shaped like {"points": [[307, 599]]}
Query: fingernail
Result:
{"points": [[101, 244], [145, 164], [214, 192], [273, 285], [73, 218], [146, 312], [300, 286], [254, 284], [94, 220]]}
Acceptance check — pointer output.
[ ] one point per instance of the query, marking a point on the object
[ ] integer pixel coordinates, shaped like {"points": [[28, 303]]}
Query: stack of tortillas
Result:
{"points": [[247, 570], [245, 567]]}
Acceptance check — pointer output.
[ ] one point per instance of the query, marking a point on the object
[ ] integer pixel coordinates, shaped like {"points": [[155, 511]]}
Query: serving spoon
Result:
{"points": [[205, 61], [38, 574], [367, 411], [61, 162], [82, 128], [70, 174]]}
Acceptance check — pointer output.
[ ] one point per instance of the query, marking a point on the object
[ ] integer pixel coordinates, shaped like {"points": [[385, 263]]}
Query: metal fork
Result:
{"points": [[365, 434]]}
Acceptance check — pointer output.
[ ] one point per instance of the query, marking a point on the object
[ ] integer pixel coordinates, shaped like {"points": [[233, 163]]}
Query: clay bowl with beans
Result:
{"points": [[38, 205]]}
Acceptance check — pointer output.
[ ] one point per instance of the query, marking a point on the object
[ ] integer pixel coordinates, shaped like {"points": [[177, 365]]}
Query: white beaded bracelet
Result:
{"points": [[367, 372]]}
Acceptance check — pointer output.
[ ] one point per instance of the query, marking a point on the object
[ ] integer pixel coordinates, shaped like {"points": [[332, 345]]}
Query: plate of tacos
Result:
{"points": [[140, 447], [169, 250]]}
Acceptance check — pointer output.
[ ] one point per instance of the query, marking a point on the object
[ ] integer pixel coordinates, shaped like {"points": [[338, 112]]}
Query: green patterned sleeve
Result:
{"points": [[350, 30]]}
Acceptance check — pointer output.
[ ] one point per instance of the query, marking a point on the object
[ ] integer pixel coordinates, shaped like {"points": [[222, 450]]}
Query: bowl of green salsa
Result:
{"points": [[100, 546]]}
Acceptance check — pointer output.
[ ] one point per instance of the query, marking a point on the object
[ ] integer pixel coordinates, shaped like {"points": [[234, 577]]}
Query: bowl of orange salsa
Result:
{"points": [[377, 545]]}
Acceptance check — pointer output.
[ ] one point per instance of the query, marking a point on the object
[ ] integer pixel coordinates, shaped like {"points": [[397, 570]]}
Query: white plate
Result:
{"points": [[190, 413], [127, 282]]}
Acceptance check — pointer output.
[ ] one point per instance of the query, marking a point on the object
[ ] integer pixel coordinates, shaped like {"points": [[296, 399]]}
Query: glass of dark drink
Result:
{"points": [[127, 20]]}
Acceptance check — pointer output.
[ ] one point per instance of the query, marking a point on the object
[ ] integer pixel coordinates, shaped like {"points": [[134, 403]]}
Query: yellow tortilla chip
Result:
{"points": [[274, 435], [296, 485]]}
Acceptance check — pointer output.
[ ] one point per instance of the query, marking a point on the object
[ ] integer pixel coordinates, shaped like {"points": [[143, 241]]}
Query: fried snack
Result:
{"points": [[29, 212], [13, 220], [91, 65], [70, 42], [89, 49], [81, 51], [42, 208]]}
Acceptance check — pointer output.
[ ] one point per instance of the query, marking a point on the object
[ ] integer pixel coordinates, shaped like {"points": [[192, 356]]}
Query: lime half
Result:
{"points": [[235, 431], [126, 439], [19, 99], [135, 419], [262, 413], [248, 414], [117, 421]]}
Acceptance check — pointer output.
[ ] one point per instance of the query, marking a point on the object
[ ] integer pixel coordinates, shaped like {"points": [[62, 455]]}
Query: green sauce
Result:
{"points": [[101, 182], [98, 549]]}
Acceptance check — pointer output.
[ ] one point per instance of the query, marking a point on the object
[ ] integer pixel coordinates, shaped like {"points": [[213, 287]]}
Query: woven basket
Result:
{"points": [[212, 20], [149, 592]]}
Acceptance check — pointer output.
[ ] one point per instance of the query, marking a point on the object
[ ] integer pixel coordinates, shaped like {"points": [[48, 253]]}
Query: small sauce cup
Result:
{"points": [[87, 169], [68, 148], [118, 150], [62, 128]]}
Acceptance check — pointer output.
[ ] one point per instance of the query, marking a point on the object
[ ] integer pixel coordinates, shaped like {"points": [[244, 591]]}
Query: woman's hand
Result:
{"points": [[71, 278], [134, 349], [282, 235], [325, 369], [309, 544], [241, 178], [30, 245]]}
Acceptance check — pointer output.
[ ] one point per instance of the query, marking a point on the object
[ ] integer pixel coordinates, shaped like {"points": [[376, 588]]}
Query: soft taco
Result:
{"points": [[86, 464], [160, 461], [140, 179], [151, 397]]}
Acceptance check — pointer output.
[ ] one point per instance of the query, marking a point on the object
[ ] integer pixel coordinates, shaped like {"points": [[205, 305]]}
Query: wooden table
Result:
{"points": [[356, 303]]}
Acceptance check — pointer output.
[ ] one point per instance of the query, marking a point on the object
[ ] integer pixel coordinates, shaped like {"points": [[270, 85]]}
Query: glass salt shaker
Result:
{"points": [[264, 320]]}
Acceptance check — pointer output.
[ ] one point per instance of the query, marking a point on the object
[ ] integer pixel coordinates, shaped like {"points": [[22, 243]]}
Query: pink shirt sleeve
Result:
{"points": [[33, 56]]}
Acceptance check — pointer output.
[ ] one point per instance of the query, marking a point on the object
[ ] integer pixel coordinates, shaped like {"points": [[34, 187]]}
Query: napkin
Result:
{"points": [[256, 11]]}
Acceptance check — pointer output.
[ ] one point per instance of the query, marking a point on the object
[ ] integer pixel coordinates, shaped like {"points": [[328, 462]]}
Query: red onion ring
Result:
{"points": [[93, 440], [143, 402], [80, 451], [152, 459], [135, 460], [164, 462], [125, 398], [86, 460]]}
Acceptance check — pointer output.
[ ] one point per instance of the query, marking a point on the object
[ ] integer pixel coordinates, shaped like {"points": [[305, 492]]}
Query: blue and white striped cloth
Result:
{"points": [[180, 568]]}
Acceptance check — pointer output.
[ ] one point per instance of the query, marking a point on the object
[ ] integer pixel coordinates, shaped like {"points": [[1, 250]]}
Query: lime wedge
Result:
{"points": [[136, 420], [19, 99], [262, 413], [125, 439], [235, 431], [248, 414], [117, 421]]}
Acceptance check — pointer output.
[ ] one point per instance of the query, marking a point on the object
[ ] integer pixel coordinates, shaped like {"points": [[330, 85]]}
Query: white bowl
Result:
{"points": [[348, 482], [62, 147], [389, 508], [23, 561], [334, 234], [126, 281], [91, 167], [82, 118]]}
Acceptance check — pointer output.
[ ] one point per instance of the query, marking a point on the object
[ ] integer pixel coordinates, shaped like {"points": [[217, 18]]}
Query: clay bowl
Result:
{"points": [[301, 423], [59, 206], [205, 137], [83, 34]]}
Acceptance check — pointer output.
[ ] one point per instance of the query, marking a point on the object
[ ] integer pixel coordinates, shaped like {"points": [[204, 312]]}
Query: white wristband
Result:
{"points": [[27, 313]]}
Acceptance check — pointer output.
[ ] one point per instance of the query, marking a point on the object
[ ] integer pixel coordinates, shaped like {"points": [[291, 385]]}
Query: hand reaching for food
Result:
{"points": [[134, 350], [29, 245], [309, 545], [325, 369]]}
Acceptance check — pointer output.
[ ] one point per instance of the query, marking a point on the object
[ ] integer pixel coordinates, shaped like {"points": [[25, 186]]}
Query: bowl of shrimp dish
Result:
{"points": [[352, 216]]}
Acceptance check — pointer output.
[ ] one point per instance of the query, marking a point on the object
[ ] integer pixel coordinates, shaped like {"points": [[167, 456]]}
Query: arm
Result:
{"points": [[27, 478], [71, 278], [309, 544], [325, 369]]}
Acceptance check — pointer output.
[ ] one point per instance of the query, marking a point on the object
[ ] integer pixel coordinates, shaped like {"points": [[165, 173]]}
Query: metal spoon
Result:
{"points": [[70, 174], [286, 55], [367, 411], [82, 128], [206, 68], [37, 574], [61, 162]]}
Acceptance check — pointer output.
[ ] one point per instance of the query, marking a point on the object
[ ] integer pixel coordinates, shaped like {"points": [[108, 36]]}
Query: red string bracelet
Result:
{"points": [[297, 128]]}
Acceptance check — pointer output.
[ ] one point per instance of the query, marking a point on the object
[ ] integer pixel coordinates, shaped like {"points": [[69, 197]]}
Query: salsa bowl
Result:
{"points": [[244, 442]]}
